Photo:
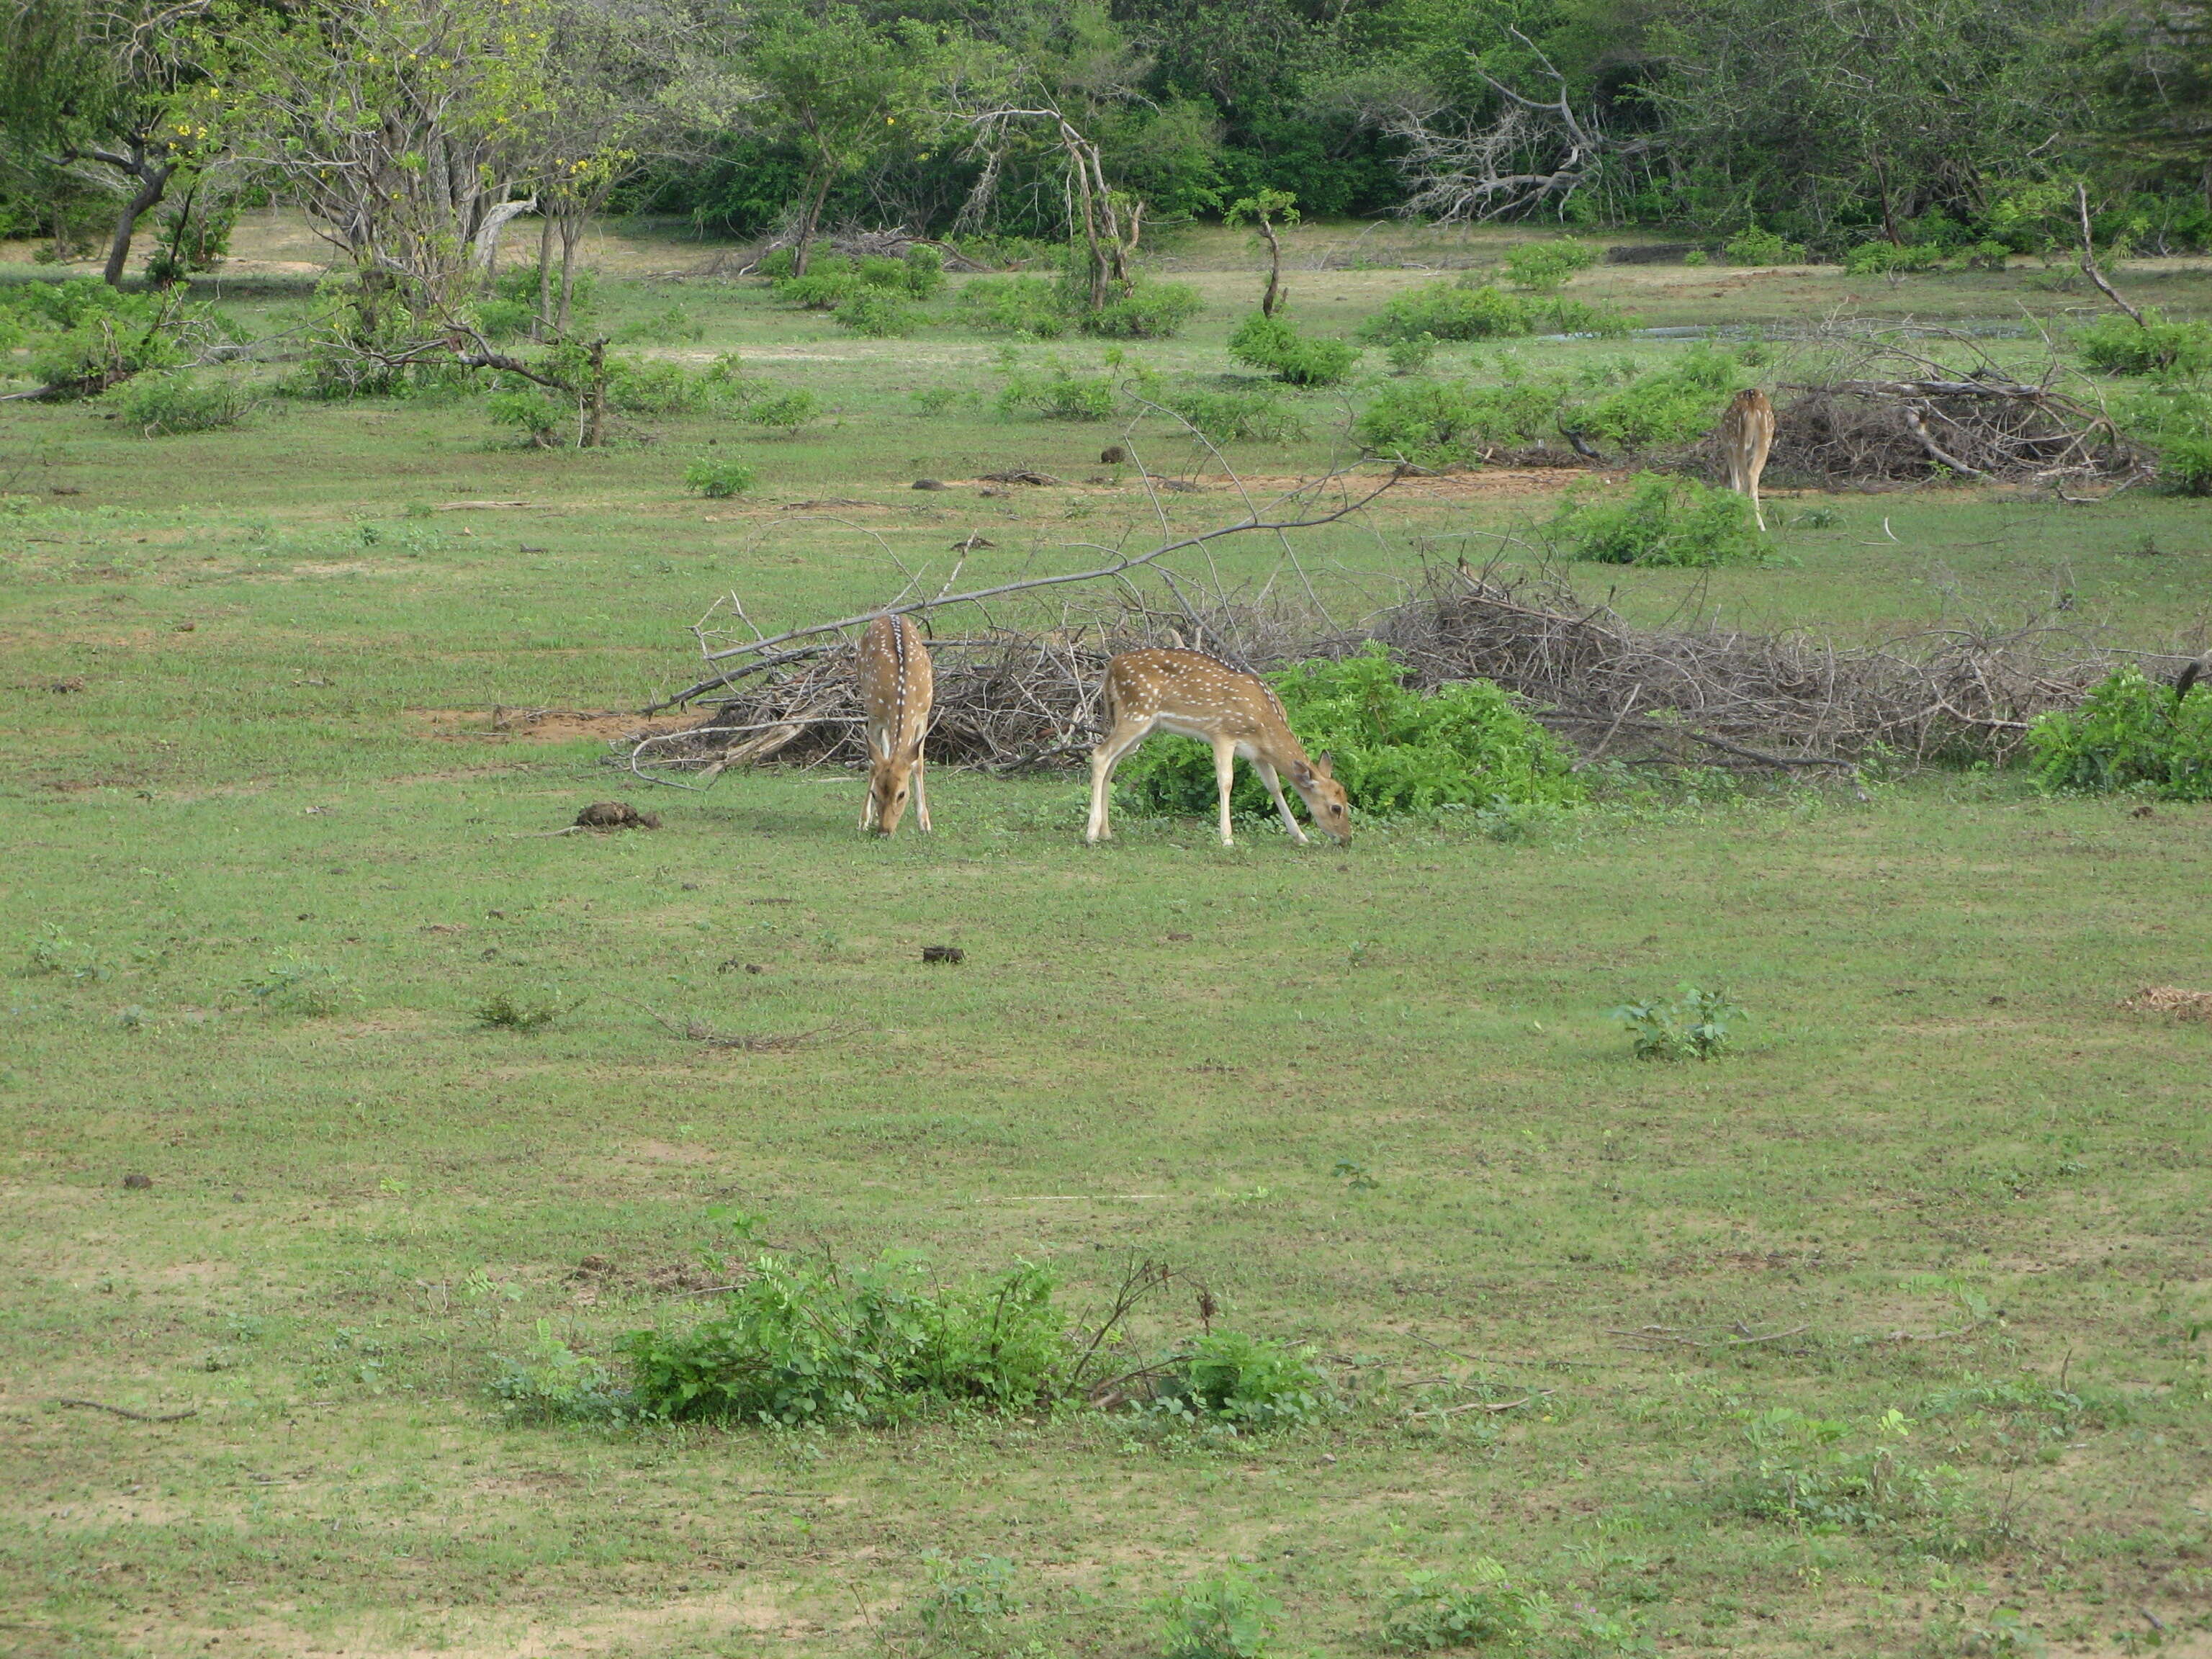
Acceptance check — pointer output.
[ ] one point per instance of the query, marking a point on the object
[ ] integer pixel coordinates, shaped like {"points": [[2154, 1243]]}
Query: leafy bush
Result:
{"points": [[1058, 393], [1429, 1612], [1674, 403], [807, 1343], [162, 405], [1395, 751], [718, 478], [819, 289], [1410, 357], [504, 319], [2129, 733], [644, 387], [1269, 343], [85, 337], [1694, 1028], [1886, 259], [554, 1383], [1451, 311], [673, 326], [877, 315], [1440, 423], [1660, 521], [1151, 311], [1029, 305], [2155, 346], [1802, 1473], [1752, 245], [1541, 267], [925, 272], [507, 1012], [1226, 1616], [533, 410], [970, 1606], [775, 264], [1248, 1381], [783, 412], [1224, 417], [936, 399]]}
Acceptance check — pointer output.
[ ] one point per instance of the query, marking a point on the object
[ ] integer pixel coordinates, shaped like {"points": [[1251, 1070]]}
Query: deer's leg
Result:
{"points": [[1104, 759], [1225, 774], [868, 802], [1275, 789], [920, 793], [1752, 490]]}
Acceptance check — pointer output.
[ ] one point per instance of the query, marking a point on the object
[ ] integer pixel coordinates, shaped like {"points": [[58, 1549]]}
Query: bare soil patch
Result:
{"points": [[503, 725]]}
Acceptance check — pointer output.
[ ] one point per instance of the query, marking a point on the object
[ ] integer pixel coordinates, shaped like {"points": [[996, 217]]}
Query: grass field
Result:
{"points": [[271, 852]]}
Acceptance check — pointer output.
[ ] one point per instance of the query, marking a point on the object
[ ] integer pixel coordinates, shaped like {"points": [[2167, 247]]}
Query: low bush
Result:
{"points": [[820, 289], [1487, 1612], [1819, 1476], [1029, 305], [1695, 1027], [1443, 422], [2129, 733], [554, 1383], [1661, 521], [534, 413], [1058, 393], [718, 477], [1224, 417], [1451, 311], [1226, 1616], [1271, 343], [1754, 245], [2120, 345], [1396, 751], [879, 314], [1151, 311], [1886, 259], [85, 337], [1410, 357], [1246, 1381], [162, 405], [971, 1608], [1675, 403], [507, 1011], [783, 411], [802, 1343], [924, 275], [1543, 267], [502, 320], [674, 326]]}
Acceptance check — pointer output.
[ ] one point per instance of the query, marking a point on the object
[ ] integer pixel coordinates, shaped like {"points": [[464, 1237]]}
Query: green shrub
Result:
{"points": [[520, 283], [535, 412], [775, 264], [818, 290], [1660, 520], [85, 337], [504, 319], [1395, 752], [2129, 733], [879, 314], [936, 399], [1694, 1028], [925, 271], [673, 326], [2176, 420], [802, 1343], [1246, 1381], [1029, 305], [1224, 417], [718, 477], [1567, 316], [1151, 311], [1410, 357], [2120, 345], [1269, 343], [1226, 1616], [507, 1011], [554, 1383], [783, 411], [1451, 311], [1675, 403], [1058, 394], [1542, 267], [1490, 1611], [650, 388], [1752, 245], [1886, 259], [970, 1608], [162, 405], [1804, 1473]]}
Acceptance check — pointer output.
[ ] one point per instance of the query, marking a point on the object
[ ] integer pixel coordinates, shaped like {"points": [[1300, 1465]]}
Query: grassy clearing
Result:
{"points": [[273, 857]]}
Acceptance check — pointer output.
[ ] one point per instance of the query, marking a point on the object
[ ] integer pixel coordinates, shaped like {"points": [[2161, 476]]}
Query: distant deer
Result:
{"points": [[1195, 696], [1746, 433], [896, 688]]}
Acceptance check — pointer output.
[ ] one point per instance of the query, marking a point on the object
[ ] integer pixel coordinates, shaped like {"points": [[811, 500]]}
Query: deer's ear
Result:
{"points": [[1322, 763]]}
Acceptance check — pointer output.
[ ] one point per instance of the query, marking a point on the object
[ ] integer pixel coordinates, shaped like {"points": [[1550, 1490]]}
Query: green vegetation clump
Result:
{"points": [[1695, 1027], [1451, 311], [84, 336], [1487, 1612], [1245, 1382], [1674, 403], [1027, 305], [718, 478], [1659, 521], [1150, 311], [2155, 346], [806, 1343], [878, 314], [1396, 751], [2129, 732], [553, 1383], [1269, 343], [1543, 267], [674, 326], [1410, 357], [1815, 1475], [1058, 393], [506, 1012], [1226, 1616], [781, 411], [1443, 422], [1224, 417], [162, 405], [1754, 246]]}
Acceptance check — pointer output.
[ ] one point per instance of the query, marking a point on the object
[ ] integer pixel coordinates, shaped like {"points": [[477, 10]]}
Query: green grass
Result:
{"points": [[1938, 1122]]}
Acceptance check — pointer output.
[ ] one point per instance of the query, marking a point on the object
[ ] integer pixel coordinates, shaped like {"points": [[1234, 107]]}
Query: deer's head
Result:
{"points": [[1324, 797]]}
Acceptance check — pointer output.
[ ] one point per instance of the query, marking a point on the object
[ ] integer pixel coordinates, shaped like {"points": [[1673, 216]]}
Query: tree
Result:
{"points": [[2154, 70], [836, 88], [105, 91], [1264, 210]]}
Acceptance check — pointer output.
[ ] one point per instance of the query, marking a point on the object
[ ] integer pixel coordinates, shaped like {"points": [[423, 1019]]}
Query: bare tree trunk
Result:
{"points": [[544, 274], [595, 399], [1272, 300], [810, 217], [153, 181], [572, 231]]}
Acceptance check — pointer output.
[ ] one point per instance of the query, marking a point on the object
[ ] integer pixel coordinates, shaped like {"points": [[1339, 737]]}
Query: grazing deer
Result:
{"points": [[1195, 696], [1746, 433], [895, 687]]}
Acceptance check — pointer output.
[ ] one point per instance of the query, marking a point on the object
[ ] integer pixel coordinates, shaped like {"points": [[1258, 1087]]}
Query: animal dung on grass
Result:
{"points": [[944, 953], [615, 815]]}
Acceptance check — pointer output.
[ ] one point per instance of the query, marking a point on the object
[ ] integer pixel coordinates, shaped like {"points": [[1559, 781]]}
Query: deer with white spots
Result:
{"points": [[896, 688], [1195, 696], [1746, 433]]}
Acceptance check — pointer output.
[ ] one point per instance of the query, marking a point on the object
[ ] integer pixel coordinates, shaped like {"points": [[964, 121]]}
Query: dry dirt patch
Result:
{"points": [[503, 725]]}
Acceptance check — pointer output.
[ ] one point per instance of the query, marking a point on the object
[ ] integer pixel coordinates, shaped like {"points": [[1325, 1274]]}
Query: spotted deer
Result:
{"points": [[1195, 696], [896, 688], [1746, 433]]}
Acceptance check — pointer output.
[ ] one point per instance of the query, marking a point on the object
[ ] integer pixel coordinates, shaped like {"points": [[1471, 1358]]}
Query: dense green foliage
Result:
{"points": [[1269, 343], [1660, 520], [2129, 732], [1395, 750], [1247, 1381]]}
